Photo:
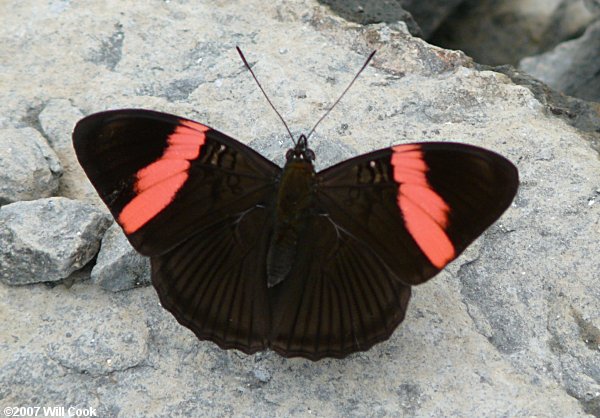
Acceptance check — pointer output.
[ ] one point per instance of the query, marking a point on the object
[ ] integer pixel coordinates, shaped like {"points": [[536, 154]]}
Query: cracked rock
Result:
{"points": [[29, 168], [48, 239], [119, 266]]}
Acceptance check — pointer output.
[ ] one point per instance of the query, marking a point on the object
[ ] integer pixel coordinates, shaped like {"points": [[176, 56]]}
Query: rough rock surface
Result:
{"points": [[119, 266], [48, 239], [509, 329], [581, 114], [29, 168], [572, 67]]}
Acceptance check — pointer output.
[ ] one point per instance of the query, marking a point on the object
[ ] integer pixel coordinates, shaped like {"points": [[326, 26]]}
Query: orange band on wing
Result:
{"points": [[424, 211], [157, 183]]}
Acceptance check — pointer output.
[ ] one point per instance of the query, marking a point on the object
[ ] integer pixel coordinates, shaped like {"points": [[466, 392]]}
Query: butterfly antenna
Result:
{"points": [[263, 92], [343, 93]]}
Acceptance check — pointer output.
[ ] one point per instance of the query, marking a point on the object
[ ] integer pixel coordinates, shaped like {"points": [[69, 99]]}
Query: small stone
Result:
{"points": [[119, 266], [29, 168], [48, 239], [261, 374]]}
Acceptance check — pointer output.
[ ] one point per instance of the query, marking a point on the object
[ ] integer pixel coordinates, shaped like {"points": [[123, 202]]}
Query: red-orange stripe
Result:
{"points": [[157, 183], [425, 212]]}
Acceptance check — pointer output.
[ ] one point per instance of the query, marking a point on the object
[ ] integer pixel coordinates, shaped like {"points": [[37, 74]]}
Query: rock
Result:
{"points": [[593, 6], [374, 11], [29, 168], [261, 374], [581, 114], [58, 352], [430, 14], [48, 239], [119, 266], [573, 67], [487, 29], [507, 330], [575, 340], [114, 341], [57, 119], [424, 59], [421, 17]]}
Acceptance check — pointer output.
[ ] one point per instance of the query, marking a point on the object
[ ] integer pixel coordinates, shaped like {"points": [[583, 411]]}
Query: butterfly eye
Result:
{"points": [[310, 155], [289, 155]]}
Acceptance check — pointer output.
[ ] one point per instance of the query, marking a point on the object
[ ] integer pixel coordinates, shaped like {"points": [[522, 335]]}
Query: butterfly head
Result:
{"points": [[300, 152]]}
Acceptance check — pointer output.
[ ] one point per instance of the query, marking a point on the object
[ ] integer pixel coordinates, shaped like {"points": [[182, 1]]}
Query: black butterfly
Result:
{"points": [[252, 256]]}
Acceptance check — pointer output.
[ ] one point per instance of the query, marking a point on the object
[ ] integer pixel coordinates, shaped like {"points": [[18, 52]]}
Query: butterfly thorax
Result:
{"points": [[293, 207]]}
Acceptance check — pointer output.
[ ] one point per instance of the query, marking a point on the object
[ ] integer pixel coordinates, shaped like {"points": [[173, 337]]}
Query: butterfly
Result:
{"points": [[253, 256]]}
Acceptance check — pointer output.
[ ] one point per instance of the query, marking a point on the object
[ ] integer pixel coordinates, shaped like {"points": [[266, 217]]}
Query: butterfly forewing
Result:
{"points": [[418, 205], [165, 178]]}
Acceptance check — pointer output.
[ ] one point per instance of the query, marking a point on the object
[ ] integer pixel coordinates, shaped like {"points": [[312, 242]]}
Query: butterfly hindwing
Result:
{"points": [[164, 178], [338, 299], [418, 206], [215, 282]]}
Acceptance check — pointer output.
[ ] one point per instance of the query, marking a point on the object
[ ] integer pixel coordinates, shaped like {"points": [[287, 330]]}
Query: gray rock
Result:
{"points": [[119, 266], [54, 359], [578, 113], [424, 58], [57, 119], [29, 168], [114, 341], [508, 329], [48, 239], [593, 6], [573, 67], [497, 32]]}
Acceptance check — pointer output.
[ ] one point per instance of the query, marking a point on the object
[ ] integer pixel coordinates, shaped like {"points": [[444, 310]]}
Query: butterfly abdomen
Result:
{"points": [[295, 202]]}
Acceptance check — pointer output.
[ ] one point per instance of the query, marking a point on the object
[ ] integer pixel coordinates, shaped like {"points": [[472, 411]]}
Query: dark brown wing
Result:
{"points": [[165, 178], [340, 297], [418, 206], [215, 282]]}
